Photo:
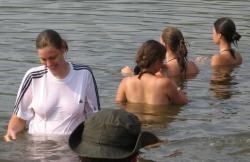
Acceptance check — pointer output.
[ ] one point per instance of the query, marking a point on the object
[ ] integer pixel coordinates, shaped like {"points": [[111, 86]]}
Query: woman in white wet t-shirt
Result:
{"points": [[57, 96]]}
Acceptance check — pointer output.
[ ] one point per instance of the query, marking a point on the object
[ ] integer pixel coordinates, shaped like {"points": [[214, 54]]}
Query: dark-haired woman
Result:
{"points": [[57, 96], [146, 87], [224, 34]]}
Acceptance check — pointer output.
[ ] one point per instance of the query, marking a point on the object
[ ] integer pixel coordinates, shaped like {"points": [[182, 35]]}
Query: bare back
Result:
{"points": [[226, 59], [149, 89], [174, 69]]}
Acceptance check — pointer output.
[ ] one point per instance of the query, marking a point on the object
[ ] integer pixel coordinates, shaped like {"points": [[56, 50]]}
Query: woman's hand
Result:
{"points": [[15, 126], [127, 71], [201, 59]]}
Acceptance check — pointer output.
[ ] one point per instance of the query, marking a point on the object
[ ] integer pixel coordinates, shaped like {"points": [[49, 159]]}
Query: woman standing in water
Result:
{"points": [[56, 97], [224, 34], [146, 87], [176, 62]]}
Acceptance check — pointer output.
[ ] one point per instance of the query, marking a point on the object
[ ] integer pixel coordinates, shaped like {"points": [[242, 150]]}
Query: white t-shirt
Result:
{"points": [[53, 106]]}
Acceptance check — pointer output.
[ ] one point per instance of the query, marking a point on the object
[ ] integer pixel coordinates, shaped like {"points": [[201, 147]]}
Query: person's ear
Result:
{"points": [[219, 35], [63, 47]]}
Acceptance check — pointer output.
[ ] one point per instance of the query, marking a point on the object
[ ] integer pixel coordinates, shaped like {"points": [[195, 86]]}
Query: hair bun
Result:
{"points": [[236, 36]]}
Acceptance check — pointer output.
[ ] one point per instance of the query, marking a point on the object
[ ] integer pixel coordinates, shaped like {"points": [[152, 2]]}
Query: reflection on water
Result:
{"points": [[224, 148], [105, 35], [222, 81], [153, 116], [31, 148]]}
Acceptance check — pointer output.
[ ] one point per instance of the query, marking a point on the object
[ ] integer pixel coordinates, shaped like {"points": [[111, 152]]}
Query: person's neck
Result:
{"points": [[63, 72], [170, 56], [224, 46], [146, 71], [149, 71]]}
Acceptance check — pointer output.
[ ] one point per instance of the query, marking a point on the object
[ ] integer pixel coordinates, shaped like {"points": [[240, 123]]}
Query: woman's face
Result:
{"points": [[51, 57], [216, 36]]}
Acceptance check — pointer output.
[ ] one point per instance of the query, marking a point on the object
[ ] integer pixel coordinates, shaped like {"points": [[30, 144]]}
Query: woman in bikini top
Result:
{"points": [[224, 34], [177, 63]]}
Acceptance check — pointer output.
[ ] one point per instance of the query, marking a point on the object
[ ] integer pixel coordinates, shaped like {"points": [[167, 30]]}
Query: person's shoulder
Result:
{"points": [[77, 66], [215, 56], [216, 60], [239, 58], [165, 81], [36, 72], [81, 67], [166, 85], [193, 68], [130, 80], [37, 69]]}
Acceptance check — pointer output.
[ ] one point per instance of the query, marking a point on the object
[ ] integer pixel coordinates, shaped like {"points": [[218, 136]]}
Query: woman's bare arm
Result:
{"points": [[121, 95], [15, 126], [177, 96]]}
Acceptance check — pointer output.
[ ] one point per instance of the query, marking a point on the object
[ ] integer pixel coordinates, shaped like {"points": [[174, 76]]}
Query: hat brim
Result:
{"points": [[93, 150], [76, 136]]}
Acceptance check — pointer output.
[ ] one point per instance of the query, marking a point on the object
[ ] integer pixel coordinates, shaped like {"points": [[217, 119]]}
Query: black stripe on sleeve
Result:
{"points": [[26, 84], [80, 67]]}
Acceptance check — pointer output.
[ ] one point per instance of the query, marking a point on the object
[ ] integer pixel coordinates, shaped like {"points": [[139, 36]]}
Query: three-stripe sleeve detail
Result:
{"points": [[80, 67], [26, 84]]}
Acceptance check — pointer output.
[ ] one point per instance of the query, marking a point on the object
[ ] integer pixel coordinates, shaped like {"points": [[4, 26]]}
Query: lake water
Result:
{"points": [[105, 34]]}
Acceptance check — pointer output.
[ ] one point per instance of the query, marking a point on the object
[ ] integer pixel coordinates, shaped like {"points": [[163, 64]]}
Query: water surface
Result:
{"points": [[105, 35]]}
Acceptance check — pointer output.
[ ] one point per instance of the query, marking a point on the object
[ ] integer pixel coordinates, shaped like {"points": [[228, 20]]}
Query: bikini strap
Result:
{"points": [[231, 50], [171, 60], [143, 72]]}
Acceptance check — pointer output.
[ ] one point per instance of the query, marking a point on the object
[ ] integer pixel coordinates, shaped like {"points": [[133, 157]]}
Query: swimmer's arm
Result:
{"points": [[177, 96], [15, 126], [127, 71], [181, 99], [201, 59], [216, 60], [121, 95]]}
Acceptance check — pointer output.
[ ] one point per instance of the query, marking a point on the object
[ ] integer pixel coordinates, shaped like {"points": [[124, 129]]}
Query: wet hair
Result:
{"points": [[148, 54], [174, 38], [226, 27], [50, 37]]}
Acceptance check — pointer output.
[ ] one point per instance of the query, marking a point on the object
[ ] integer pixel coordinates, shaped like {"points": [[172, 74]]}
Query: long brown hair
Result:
{"points": [[149, 53], [50, 37], [174, 38]]}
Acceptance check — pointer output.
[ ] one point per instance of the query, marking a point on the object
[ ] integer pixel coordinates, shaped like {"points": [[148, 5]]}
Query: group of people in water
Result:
{"points": [[152, 80], [58, 96]]}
